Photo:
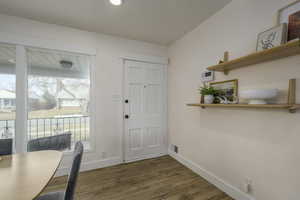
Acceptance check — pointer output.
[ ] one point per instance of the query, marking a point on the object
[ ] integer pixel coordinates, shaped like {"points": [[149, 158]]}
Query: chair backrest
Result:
{"points": [[72, 179], [57, 142], [6, 146]]}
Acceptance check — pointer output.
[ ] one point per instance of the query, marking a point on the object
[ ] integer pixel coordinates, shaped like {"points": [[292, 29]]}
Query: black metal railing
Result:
{"points": [[79, 126]]}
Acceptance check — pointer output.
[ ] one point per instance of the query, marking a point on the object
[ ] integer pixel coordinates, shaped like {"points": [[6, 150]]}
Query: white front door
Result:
{"points": [[144, 110]]}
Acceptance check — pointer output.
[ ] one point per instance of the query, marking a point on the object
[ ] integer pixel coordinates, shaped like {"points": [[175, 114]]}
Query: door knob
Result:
{"points": [[126, 116]]}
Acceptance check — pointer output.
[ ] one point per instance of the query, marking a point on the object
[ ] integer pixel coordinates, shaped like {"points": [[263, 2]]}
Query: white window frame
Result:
{"points": [[21, 100], [21, 70]]}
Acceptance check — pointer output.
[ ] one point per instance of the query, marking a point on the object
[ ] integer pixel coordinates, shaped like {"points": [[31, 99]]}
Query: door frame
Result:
{"points": [[164, 62]]}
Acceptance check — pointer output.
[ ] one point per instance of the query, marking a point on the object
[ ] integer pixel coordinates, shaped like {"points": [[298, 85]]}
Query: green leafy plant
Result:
{"points": [[208, 90]]}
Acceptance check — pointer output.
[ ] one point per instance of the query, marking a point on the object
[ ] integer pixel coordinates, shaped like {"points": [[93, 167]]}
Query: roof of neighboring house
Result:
{"points": [[63, 94], [5, 94], [81, 92], [32, 95]]}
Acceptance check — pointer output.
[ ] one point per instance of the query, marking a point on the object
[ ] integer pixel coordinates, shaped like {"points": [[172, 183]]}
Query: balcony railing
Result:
{"points": [[44, 127]]}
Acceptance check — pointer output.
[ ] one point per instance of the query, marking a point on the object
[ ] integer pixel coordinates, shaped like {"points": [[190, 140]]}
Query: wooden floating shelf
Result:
{"points": [[290, 105], [291, 108], [285, 50]]}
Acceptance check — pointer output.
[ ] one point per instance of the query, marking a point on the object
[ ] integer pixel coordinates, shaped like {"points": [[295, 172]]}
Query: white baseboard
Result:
{"points": [[232, 191], [146, 157], [91, 165]]}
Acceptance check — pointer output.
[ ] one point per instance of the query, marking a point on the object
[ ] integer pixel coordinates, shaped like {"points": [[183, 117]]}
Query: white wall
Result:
{"points": [[235, 144], [108, 74]]}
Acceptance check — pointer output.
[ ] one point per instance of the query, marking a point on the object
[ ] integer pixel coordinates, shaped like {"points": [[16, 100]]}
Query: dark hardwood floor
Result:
{"points": [[154, 179]]}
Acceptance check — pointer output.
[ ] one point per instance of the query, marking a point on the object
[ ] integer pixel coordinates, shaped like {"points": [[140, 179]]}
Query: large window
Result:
{"points": [[44, 98], [58, 95]]}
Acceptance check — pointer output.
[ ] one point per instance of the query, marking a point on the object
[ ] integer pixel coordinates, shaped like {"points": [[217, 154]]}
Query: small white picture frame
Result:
{"points": [[273, 37], [207, 76]]}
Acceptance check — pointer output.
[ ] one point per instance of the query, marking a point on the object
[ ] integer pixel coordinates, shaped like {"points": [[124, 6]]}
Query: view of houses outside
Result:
{"points": [[58, 105], [7, 105]]}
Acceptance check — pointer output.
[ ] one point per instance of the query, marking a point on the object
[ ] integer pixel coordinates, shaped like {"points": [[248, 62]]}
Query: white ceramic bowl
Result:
{"points": [[259, 96]]}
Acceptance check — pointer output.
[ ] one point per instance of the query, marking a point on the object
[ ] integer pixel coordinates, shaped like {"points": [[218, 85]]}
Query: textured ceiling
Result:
{"points": [[156, 21]]}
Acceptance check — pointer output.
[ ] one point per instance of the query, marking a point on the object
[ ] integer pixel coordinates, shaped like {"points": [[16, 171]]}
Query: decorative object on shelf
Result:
{"points": [[273, 37], [209, 99], [290, 15], [208, 94], [224, 100], [227, 90], [294, 26], [259, 96], [207, 76]]}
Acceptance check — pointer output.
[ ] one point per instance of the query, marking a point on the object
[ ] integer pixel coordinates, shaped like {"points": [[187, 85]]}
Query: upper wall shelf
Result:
{"points": [[285, 50]]}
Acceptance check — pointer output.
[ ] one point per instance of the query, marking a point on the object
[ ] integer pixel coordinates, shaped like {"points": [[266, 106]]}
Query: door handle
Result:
{"points": [[126, 116]]}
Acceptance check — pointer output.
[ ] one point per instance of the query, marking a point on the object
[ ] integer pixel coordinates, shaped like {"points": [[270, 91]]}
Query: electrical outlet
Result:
{"points": [[247, 186]]}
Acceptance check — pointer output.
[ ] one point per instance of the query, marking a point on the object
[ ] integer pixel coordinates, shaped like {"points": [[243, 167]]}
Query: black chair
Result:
{"points": [[6, 146], [68, 194], [56, 142]]}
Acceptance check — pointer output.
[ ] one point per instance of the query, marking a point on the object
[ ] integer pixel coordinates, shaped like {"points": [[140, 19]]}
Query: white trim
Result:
{"points": [[165, 120], [147, 157], [122, 153], [27, 41], [92, 109], [146, 58], [21, 100], [87, 166], [229, 189]]}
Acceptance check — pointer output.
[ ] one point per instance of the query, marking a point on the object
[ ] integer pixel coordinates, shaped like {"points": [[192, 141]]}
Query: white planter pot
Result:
{"points": [[208, 99]]}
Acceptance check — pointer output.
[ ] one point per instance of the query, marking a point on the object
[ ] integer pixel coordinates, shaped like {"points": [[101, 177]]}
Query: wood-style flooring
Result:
{"points": [[155, 179]]}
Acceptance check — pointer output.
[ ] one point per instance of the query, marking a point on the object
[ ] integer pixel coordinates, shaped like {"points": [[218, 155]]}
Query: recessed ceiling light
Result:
{"points": [[116, 2]]}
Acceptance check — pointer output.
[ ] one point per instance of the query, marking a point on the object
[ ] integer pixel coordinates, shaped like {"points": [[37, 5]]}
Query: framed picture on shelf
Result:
{"points": [[227, 91], [290, 15], [273, 37]]}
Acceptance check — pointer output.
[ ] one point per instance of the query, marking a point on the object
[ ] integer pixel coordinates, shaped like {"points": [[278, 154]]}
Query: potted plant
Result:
{"points": [[208, 93]]}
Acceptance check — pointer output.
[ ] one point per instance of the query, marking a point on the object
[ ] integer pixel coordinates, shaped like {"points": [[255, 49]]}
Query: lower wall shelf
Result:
{"points": [[291, 108]]}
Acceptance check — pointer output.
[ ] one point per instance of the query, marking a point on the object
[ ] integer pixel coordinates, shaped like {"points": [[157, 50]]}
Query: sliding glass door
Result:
{"points": [[44, 98]]}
